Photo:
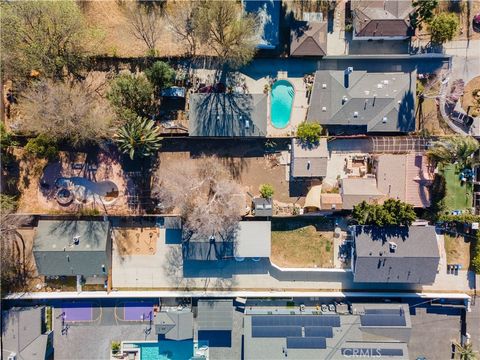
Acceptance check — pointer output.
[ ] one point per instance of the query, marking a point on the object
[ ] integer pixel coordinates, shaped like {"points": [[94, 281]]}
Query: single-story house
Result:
{"points": [[24, 335], [268, 13], [73, 247], [252, 239], [174, 325], [215, 321], [359, 102], [355, 190], [309, 160], [262, 207], [397, 254], [228, 115], [405, 177], [308, 39], [381, 19]]}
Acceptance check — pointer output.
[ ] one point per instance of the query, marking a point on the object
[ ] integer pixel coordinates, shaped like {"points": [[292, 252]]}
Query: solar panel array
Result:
{"points": [[276, 331], [319, 331], [296, 320], [306, 343], [382, 320]]}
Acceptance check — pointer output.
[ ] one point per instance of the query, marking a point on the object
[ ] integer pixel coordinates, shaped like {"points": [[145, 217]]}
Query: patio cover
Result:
{"points": [[313, 197]]}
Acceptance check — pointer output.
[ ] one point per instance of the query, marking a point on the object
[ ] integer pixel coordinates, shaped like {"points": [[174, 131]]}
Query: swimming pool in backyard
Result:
{"points": [[166, 349], [281, 103]]}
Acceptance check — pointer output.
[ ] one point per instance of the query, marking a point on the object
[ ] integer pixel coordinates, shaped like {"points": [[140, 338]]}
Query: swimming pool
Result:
{"points": [[167, 349], [281, 103]]}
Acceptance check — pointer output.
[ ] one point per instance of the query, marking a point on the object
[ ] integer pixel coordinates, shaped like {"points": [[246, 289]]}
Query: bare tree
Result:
{"points": [[183, 24], [204, 193], [145, 24], [65, 111]]}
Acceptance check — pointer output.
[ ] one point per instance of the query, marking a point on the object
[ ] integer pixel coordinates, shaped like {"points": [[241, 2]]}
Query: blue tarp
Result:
{"points": [[268, 12]]}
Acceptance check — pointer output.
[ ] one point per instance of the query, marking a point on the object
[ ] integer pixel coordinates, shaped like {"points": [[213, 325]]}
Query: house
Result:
{"points": [[379, 331], [215, 321], [355, 190], [174, 325], [252, 239], [228, 115], [405, 177], [24, 335], [309, 160], [73, 248], [262, 207], [308, 39], [331, 202], [268, 13], [359, 102], [381, 19], [395, 254]]}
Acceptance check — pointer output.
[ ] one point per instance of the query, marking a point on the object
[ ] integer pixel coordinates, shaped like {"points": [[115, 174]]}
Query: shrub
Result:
{"points": [[42, 146], [443, 27], [161, 75], [475, 263], [309, 132], [266, 191], [115, 346]]}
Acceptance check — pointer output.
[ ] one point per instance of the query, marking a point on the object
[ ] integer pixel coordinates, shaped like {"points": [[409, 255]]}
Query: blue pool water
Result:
{"points": [[167, 350], [281, 103]]}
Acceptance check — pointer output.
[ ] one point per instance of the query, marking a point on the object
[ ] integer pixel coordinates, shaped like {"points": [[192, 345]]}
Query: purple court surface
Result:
{"points": [[77, 311], [137, 311]]}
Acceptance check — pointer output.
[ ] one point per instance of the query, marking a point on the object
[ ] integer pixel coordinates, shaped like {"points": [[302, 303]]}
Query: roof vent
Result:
{"points": [[367, 92], [324, 86], [324, 108], [392, 246], [344, 100], [308, 165], [349, 70], [76, 240], [384, 120], [385, 82], [379, 86], [355, 114], [247, 124]]}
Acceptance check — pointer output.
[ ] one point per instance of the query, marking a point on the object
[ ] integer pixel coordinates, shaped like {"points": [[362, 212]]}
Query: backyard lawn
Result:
{"points": [[459, 195], [302, 247], [458, 251]]}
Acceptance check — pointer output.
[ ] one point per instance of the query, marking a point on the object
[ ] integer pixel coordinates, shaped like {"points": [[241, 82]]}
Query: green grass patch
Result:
{"points": [[459, 196]]}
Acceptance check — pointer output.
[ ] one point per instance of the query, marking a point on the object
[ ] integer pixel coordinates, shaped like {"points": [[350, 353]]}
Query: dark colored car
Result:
{"points": [[476, 23]]}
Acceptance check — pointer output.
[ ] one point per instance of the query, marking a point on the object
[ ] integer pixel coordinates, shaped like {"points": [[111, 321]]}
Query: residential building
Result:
{"points": [[405, 177], [308, 38], [395, 254], [309, 160], [372, 330], [215, 321], [73, 248], [268, 13], [331, 202], [355, 190], [359, 102], [381, 19], [24, 334], [228, 115], [174, 325], [252, 239]]}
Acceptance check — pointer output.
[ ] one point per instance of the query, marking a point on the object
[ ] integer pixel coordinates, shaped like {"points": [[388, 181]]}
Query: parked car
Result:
{"points": [[476, 23]]}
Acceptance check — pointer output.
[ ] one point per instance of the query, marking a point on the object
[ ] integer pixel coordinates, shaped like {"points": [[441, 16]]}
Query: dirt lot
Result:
{"points": [[458, 251], [303, 247], [469, 100]]}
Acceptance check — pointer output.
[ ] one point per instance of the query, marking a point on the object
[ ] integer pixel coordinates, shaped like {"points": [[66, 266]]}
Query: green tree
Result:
{"points": [[6, 138], [131, 94], [42, 146], [227, 30], [454, 149], [443, 27], [466, 351], [161, 75], [309, 132], [139, 138], [391, 213], [266, 191], [45, 36], [424, 11]]}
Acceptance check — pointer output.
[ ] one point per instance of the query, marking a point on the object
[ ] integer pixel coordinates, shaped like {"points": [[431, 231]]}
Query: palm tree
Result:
{"points": [[465, 352], [139, 138], [454, 149]]}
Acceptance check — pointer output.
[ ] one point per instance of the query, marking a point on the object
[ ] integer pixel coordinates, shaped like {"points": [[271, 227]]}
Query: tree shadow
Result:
{"points": [[383, 234]]}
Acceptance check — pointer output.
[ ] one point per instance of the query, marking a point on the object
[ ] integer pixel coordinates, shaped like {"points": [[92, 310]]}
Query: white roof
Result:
{"points": [[253, 239]]}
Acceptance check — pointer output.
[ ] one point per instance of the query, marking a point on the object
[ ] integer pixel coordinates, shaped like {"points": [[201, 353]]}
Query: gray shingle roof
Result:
{"points": [[378, 102], [356, 190], [215, 315], [263, 207], [415, 259], [309, 160], [382, 18], [175, 325], [308, 39], [228, 115], [56, 254]]}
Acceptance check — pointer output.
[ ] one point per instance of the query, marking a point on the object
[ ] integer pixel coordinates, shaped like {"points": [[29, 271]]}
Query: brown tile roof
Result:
{"points": [[308, 39], [381, 18]]}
